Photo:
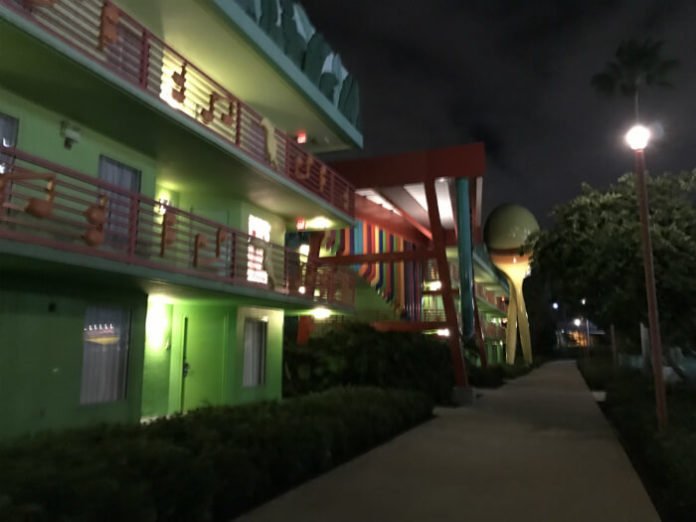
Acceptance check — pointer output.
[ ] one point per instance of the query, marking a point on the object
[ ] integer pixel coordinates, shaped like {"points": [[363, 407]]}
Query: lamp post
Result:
{"points": [[638, 138]]}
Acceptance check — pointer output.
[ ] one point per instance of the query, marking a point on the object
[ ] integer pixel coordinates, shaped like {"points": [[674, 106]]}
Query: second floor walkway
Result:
{"points": [[47, 207]]}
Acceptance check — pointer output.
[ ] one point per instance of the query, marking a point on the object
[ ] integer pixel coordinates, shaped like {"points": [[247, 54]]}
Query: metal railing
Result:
{"points": [[111, 38], [50, 205]]}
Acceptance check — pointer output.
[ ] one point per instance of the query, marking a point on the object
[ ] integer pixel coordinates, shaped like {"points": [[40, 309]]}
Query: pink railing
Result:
{"points": [[49, 205], [116, 41]]}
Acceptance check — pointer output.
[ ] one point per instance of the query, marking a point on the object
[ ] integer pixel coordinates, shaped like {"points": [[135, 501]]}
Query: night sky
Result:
{"points": [[515, 75]]}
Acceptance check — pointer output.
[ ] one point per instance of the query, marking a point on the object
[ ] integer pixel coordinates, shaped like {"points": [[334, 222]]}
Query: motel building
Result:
{"points": [[163, 211]]}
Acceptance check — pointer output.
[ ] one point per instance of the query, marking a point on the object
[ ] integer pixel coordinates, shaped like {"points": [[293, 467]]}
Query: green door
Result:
{"points": [[203, 362]]}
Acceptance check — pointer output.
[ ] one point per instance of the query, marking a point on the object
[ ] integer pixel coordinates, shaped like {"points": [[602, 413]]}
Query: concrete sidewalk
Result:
{"points": [[538, 449]]}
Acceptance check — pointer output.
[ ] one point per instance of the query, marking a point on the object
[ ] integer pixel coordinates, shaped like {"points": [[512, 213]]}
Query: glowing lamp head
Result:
{"points": [[577, 322], [638, 137]]}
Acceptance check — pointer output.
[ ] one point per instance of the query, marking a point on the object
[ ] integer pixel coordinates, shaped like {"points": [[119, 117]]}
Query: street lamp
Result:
{"points": [[638, 138]]}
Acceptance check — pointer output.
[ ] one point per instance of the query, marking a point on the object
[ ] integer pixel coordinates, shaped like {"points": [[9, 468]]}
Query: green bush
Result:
{"points": [[357, 355], [210, 464], [667, 460], [596, 370]]}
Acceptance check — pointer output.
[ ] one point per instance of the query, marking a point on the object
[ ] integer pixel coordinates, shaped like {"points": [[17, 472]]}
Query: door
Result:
{"points": [[204, 337]]}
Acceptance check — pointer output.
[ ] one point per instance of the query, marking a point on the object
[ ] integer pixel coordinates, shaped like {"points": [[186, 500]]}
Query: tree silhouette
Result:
{"points": [[636, 64]]}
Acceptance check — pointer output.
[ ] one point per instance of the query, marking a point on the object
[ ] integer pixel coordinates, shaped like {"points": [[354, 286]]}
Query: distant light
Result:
{"points": [[321, 313], [304, 250], [301, 137], [554, 306], [577, 322], [638, 137], [444, 332], [583, 301], [302, 290]]}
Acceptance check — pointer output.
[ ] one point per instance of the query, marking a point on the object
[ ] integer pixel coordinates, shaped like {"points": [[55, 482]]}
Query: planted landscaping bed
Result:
{"points": [[665, 461], [210, 464]]}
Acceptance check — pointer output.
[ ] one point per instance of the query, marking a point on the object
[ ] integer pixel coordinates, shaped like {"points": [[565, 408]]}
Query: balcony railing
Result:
{"points": [[117, 42], [490, 298], [45, 204]]}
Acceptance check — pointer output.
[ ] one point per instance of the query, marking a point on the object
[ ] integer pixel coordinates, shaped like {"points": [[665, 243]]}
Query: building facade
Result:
{"points": [[153, 157]]}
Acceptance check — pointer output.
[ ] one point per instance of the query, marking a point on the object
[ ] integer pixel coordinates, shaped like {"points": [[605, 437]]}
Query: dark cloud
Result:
{"points": [[515, 75]]}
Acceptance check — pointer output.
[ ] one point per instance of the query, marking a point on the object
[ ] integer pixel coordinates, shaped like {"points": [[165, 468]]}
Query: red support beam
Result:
{"points": [[306, 322], [408, 217], [462, 161], [444, 274], [374, 214]]}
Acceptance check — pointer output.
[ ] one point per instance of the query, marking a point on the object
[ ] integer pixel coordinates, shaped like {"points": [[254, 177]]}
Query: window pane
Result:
{"points": [[118, 205], [104, 354], [254, 352], [8, 138]]}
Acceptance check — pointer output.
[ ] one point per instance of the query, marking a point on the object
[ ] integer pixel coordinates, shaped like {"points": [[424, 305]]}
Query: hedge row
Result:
{"points": [[667, 461], [355, 354], [210, 464]]}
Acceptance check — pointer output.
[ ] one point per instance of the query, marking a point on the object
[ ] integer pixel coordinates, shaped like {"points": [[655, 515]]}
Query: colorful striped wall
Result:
{"points": [[398, 283]]}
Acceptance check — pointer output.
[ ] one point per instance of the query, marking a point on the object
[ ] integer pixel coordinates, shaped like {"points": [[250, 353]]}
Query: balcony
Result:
{"points": [[46, 205], [112, 41]]}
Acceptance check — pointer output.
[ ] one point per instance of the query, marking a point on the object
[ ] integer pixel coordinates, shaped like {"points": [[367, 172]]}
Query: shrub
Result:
{"points": [[210, 464], [357, 355], [667, 460], [596, 370]]}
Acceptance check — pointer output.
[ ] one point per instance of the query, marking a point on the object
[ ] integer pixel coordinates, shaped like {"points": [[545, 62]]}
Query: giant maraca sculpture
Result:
{"points": [[507, 229]]}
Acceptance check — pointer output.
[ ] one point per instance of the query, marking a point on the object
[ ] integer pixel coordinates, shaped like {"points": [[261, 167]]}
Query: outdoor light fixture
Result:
{"points": [[577, 322], [302, 290], [444, 332], [321, 313], [319, 223], [583, 301], [162, 204], [433, 286], [303, 250], [638, 137], [301, 137], [554, 306]]}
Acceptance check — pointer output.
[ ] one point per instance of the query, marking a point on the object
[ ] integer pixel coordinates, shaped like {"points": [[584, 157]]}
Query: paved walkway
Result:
{"points": [[537, 449]]}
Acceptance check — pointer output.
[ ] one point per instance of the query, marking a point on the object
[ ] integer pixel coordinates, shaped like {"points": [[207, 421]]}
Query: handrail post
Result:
{"points": [[145, 59], [233, 256], [238, 128], [133, 225]]}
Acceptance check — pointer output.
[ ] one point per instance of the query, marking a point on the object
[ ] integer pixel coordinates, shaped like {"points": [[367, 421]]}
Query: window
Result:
{"points": [[118, 205], [255, 333], [106, 336], [259, 254], [8, 138]]}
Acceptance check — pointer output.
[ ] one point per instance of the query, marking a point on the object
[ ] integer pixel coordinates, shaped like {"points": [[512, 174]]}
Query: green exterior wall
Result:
{"points": [[41, 350], [212, 335], [40, 134]]}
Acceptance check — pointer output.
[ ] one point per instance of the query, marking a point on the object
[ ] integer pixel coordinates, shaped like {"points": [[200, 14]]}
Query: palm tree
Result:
{"points": [[637, 64]]}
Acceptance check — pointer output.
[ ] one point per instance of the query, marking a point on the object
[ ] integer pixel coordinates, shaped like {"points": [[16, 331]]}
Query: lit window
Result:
{"points": [[106, 336], [255, 334], [259, 255]]}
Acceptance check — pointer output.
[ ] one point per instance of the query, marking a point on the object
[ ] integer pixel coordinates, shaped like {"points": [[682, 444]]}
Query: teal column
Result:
{"points": [[466, 261]]}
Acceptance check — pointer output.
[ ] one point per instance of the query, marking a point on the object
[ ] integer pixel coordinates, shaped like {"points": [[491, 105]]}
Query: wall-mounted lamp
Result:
{"points": [[70, 134], [162, 204]]}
